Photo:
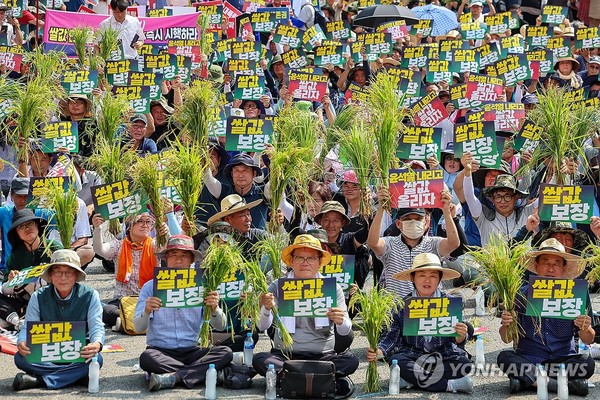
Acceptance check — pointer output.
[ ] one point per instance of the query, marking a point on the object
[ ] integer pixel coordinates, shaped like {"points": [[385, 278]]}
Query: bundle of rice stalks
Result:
{"points": [[81, 37], [268, 251], [108, 40], [344, 120], [110, 113], [146, 177], [293, 157], [186, 165], [592, 257], [387, 116], [220, 260], [65, 206], [195, 114], [376, 308], [357, 146], [33, 105], [566, 129], [203, 22], [47, 66], [504, 266]]}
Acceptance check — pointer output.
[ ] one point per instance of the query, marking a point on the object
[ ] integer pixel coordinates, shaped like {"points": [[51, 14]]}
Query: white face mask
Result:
{"points": [[413, 229]]}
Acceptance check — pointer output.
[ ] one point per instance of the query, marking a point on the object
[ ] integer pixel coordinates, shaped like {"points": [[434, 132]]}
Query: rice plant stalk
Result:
{"points": [[376, 308], [46, 66], [65, 206], [195, 114], [592, 257], [357, 146], [344, 120], [387, 116], [219, 262], [269, 250], [146, 176], [108, 40], [80, 37], [504, 266], [203, 22], [186, 166]]}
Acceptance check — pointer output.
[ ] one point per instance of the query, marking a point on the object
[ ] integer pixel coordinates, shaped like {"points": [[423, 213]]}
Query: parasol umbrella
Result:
{"points": [[444, 20], [372, 17]]}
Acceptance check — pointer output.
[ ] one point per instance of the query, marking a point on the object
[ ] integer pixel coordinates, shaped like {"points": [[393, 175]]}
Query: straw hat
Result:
{"points": [[574, 264], [180, 242], [64, 257], [580, 238], [305, 242], [230, 205], [427, 262]]}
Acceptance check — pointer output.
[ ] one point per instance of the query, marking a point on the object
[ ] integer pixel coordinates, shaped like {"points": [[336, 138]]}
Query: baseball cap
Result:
{"points": [[139, 117]]}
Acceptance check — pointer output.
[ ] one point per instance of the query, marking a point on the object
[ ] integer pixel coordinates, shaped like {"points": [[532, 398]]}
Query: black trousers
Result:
{"points": [[431, 372], [190, 364], [516, 366], [9, 305]]}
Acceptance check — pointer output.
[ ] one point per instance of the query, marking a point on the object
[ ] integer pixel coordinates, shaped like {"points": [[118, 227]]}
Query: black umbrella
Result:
{"points": [[372, 17]]}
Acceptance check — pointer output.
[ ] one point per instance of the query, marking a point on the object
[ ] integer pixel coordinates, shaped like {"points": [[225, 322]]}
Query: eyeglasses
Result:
{"points": [[506, 198], [593, 66], [249, 106], [143, 222], [68, 274], [26, 225], [308, 260], [138, 126]]}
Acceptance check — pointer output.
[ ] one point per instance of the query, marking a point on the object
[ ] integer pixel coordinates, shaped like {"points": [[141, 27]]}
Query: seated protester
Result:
{"points": [[313, 338], [410, 351], [64, 299], [134, 257], [397, 252], [548, 341], [173, 355], [565, 75]]}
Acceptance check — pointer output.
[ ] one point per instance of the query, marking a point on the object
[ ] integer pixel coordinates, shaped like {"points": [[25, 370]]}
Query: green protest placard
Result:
{"points": [[266, 19], [117, 72], [247, 134], [179, 287], [577, 95], [414, 56], [232, 286], [217, 127], [463, 61], [488, 53], [358, 94], [55, 341], [241, 67], [185, 66], [355, 49], [420, 143], [512, 69], [376, 43], [587, 38], [312, 36], [16, 7], [438, 70], [27, 275], [138, 96], [498, 23], [556, 298], [446, 48], [306, 297], [528, 137], [554, 15], [544, 57], [294, 59], [214, 10], [514, 20], [566, 203], [165, 182], [222, 51], [60, 135], [479, 139], [40, 184], [286, 35], [560, 46], [408, 88], [165, 64], [79, 81], [473, 31], [116, 200], [159, 13], [341, 267], [338, 30], [537, 36], [511, 45], [423, 27], [432, 316], [249, 87], [329, 54], [5, 107]]}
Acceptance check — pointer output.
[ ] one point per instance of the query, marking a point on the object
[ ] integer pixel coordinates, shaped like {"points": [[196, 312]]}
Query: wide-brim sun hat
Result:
{"points": [[504, 181], [180, 242], [479, 175], [64, 257], [332, 206], [230, 205], [426, 262], [574, 265], [573, 61], [242, 159], [305, 242]]}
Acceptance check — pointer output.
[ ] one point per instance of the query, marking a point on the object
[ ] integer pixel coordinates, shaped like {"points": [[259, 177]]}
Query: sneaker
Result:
{"points": [[403, 384], [595, 350], [464, 385], [117, 327], [514, 385], [162, 381], [578, 387], [343, 388], [25, 381]]}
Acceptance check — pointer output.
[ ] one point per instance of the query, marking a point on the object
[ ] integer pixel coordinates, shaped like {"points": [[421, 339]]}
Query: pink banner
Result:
{"points": [[157, 30]]}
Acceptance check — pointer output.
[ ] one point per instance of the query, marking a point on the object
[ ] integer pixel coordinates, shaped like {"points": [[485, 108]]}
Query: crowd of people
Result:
{"points": [[408, 251]]}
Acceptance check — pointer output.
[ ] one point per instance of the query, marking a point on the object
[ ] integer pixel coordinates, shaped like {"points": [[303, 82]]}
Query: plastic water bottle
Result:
{"points": [[542, 383], [394, 378], [271, 378], [94, 376], [479, 302], [479, 353], [584, 348], [563, 384], [210, 391], [248, 349]]}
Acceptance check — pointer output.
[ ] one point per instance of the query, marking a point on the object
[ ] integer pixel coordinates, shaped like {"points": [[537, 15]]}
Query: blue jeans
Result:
{"points": [[55, 376]]}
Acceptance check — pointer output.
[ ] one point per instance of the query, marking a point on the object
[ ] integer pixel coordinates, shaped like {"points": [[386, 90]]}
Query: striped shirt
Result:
{"points": [[397, 256]]}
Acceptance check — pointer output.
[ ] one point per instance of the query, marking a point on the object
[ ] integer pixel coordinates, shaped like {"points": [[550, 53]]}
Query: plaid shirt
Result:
{"points": [[393, 342]]}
